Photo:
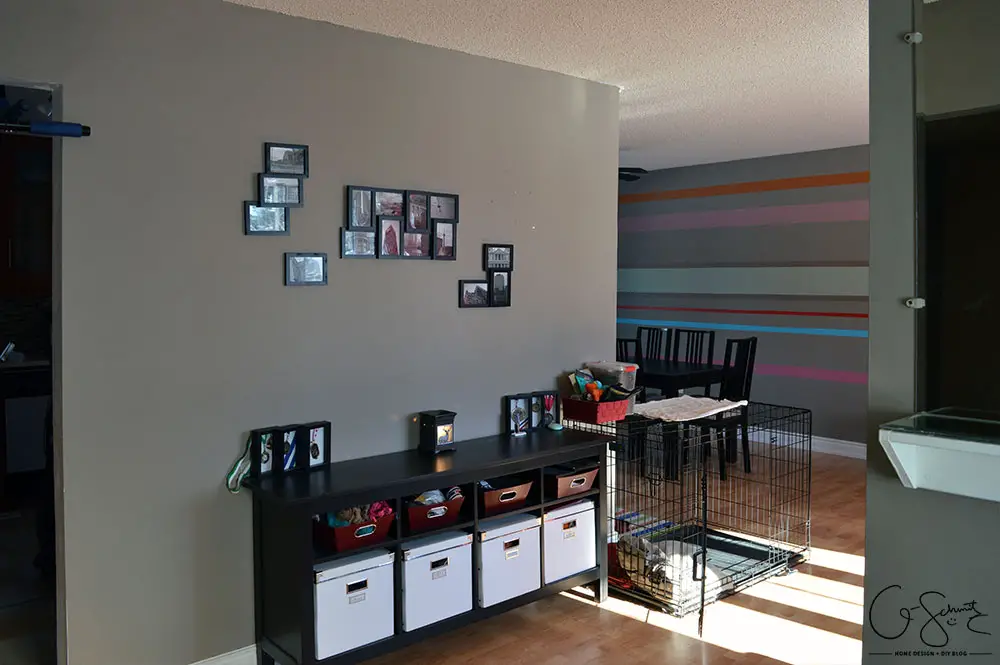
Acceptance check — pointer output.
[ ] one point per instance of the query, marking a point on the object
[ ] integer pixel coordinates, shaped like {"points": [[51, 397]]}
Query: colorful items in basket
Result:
{"points": [[435, 497], [359, 514], [592, 390]]}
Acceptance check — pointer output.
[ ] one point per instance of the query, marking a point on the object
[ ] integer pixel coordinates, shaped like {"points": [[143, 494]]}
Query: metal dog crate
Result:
{"points": [[681, 494]]}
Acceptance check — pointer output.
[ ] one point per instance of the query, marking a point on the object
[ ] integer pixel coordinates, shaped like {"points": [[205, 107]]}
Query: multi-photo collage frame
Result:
{"points": [[281, 449], [387, 223]]}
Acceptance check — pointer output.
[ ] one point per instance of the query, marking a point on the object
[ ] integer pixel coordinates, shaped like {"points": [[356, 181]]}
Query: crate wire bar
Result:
{"points": [[671, 507]]}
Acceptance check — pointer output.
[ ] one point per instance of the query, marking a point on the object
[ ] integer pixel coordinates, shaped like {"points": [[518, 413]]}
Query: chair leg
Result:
{"points": [[722, 458], [744, 430], [731, 439]]}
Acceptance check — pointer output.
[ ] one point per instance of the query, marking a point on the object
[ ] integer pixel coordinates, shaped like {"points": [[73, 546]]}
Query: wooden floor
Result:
{"points": [[812, 617]]}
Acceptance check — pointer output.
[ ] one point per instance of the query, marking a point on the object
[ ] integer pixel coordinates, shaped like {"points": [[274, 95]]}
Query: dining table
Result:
{"points": [[672, 376]]}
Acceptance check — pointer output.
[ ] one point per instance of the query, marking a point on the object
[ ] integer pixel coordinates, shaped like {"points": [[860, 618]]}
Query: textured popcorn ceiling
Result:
{"points": [[701, 80]]}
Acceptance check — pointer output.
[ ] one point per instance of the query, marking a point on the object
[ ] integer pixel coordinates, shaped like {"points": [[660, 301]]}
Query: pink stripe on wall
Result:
{"points": [[812, 213], [814, 373]]}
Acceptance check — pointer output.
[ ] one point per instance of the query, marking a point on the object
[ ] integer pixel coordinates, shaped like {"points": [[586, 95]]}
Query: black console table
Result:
{"points": [[285, 554]]}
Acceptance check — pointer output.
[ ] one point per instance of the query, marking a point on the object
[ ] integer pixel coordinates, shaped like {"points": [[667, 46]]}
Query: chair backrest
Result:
{"points": [[737, 368], [627, 350], [651, 341], [699, 346]]}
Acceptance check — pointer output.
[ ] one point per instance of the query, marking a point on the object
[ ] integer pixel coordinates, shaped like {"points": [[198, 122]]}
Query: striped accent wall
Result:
{"points": [[774, 247]]}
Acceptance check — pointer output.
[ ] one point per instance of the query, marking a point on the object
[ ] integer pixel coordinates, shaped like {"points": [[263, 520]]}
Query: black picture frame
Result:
{"points": [[384, 220], [377, 210], [316, 451], [461, 293], [511, 402], [436, 249], [431, 210], [343, 244], [248, 207], [495, 298], [269, 164], [427, 242], [409, 210], [350, 219], [554, 411], [487, 247], [261, 450], [290, 257], [262, 179]]}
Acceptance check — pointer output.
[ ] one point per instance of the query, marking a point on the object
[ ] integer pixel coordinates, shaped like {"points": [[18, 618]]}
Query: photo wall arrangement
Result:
{"points": [[385, 223], [494, 291]]}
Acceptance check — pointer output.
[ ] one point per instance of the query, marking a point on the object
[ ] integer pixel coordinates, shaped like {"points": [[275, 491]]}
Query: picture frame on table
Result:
{"points": [[473, 293], [262, 450], [305, 269], [388, 203], [443, 206], [517, 413], [358, 244], [445, 240], [286, 159], [499, 288], [360, 208], [314, 449], [551, 408], [280, 191], [265, 220], [418, 219], [498, 257], [390, 237], [417, 246]]}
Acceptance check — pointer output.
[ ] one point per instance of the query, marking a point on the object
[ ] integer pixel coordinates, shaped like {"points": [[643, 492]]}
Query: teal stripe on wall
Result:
{"points": [[788, 330], [796, 281]]}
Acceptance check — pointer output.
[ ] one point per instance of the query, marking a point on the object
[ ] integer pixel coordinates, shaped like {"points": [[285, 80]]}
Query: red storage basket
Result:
{"points": [[437, 516], [352, 536], [594, 413], [503, 499]]}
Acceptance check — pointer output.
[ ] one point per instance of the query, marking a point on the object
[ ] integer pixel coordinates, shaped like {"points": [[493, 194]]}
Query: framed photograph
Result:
{"points": [[537, 410], [444, 240], [499, 288], [357, 244], [359, 208], [416, 245], [289, 453], [390, 237], [444, 206], [280, 191], [417, 219], [305, 269], [498, 257], [388, 203], [286, 159], [473, 293], [264, 221], [517, 414]]}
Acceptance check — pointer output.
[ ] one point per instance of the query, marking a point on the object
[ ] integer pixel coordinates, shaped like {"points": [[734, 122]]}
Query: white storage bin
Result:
{"points": [[509, 561], [437, 579], [353, 602], [570, 541]]}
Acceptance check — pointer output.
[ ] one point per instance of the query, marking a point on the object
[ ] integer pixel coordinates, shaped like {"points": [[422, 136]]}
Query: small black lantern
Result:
{"points": [[437, 431]]}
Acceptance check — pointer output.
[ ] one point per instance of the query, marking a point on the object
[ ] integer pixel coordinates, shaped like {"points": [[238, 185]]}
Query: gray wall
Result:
{"points": [[922, 541], [177, 336], [959, 55], [766, 262]]}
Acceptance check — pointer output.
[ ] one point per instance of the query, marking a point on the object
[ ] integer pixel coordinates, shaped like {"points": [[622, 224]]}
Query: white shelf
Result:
{"points": [[944, 464]]}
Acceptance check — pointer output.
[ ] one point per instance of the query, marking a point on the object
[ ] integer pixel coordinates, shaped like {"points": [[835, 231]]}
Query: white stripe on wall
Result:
{"points": [[798, 281]]}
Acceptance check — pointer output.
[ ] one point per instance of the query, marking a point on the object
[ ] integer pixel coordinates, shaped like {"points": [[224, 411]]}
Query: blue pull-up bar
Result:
{"points": [[48, 128]]}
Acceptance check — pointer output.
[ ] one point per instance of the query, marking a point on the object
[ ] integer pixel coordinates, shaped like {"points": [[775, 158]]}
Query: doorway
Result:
{"points": [[27, 493], [962, 233]]}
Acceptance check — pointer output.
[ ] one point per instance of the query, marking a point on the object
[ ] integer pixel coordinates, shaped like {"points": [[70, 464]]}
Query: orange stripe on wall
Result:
{"points": [[805, 182]]}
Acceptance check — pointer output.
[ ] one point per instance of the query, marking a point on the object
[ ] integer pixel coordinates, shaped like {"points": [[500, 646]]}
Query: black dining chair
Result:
{"points": [[627, 350], [737, 378], [653, 343], [693, 346]]}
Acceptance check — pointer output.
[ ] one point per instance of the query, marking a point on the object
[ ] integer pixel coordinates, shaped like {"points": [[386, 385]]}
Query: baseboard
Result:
{"points": [[852, 449], [821, 444], [244, 656]]}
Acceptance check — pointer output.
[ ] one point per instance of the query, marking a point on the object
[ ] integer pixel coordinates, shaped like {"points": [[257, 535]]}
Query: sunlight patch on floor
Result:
{"points": [[848, 563], [809, 601]]}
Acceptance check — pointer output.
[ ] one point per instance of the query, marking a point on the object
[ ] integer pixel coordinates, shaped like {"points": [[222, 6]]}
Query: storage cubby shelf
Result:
{"points": [[285, 553]]}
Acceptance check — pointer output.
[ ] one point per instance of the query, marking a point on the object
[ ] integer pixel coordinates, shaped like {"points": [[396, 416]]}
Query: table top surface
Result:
{"points": [[471, 460]]}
